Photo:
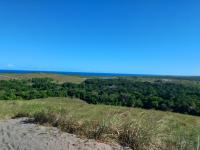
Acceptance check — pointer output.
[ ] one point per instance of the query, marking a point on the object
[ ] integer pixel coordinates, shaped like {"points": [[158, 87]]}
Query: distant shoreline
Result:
{"points": [[75, 73], [90, 74]]}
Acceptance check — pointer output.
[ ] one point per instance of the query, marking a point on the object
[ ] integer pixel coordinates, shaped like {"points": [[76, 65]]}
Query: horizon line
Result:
{"points": [[85, 72]]}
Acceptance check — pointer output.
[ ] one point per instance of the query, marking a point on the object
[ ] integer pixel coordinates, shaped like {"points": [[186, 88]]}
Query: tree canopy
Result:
{"points": [[123, 92]]}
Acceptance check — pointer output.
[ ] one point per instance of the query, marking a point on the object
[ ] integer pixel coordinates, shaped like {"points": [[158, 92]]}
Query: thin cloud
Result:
{"points": [[10, 65]]}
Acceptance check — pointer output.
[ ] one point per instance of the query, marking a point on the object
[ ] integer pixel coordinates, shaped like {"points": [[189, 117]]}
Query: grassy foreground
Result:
{"points": [[136, 128]]}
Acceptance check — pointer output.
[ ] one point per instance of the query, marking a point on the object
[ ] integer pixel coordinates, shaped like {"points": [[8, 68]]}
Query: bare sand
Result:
{"points": [[17, 134]]}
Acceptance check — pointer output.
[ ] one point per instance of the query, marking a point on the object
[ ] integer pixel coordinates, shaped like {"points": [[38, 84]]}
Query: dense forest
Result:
{"points": [[166, 96]]}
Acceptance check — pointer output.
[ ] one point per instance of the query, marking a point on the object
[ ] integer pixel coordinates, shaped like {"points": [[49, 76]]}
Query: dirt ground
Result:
{"points": [[18, 134]]}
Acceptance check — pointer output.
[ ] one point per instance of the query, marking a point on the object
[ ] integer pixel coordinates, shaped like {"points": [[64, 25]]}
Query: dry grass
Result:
{"points": [[136, 128], [57, 77]]}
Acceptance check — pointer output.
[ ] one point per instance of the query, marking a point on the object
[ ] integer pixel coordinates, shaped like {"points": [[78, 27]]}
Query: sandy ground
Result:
{"points": [[17, 134]]}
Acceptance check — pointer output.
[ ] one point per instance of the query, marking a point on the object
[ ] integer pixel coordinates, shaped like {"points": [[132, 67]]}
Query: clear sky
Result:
{"points": [[118, 36]]}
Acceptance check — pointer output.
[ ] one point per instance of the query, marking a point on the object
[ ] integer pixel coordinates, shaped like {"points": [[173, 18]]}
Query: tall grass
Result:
{"points": [[135, 128]]}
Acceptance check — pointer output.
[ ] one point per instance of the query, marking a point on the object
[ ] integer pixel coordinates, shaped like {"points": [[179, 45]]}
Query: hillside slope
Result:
{"points": [[136, 128]]}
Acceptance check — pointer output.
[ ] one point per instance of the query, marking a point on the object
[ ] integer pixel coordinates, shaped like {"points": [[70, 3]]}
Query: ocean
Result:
{"points": [[73, 73]]}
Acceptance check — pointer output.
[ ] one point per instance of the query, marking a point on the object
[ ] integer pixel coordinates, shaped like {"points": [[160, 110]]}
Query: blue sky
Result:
{"points": [[118, 36]]}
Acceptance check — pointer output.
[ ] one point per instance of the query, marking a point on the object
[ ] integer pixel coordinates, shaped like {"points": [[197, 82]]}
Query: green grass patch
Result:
{"points": [[136, 128], [56, 77]]}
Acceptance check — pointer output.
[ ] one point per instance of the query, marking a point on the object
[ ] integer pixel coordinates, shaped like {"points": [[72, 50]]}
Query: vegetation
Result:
{"points": [[136, 128], [57, 77], [128, 126], [166, 96]]}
